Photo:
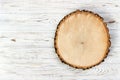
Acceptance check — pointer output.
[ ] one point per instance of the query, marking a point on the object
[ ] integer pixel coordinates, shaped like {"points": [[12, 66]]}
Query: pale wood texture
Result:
{"points": [[27, 30]]}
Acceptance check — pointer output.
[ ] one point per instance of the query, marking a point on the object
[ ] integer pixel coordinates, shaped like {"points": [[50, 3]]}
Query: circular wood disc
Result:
{"points": [[82, 39]]}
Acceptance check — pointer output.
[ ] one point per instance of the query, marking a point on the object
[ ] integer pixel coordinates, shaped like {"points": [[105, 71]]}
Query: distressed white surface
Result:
{"points": [[32, 24]]}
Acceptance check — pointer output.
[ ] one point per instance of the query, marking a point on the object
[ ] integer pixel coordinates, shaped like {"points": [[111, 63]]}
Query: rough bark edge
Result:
{"points": [[107, 31]]}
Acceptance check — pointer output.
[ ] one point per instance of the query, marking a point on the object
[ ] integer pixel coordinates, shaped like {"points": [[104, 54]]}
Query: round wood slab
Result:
{"points": [[82, 39]]}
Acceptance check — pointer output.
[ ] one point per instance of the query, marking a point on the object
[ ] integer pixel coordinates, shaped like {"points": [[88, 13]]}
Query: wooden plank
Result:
{"points": [[27, 30]]}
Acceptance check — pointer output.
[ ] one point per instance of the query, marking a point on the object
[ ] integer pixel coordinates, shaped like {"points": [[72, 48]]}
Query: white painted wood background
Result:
{"points": [[27, 30]]}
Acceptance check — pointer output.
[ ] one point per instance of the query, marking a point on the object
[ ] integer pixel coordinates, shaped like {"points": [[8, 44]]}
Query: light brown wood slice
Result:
{"points": [[82, 39]]}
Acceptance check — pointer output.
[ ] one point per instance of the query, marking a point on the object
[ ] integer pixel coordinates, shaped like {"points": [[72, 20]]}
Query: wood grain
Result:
{"points": [[27, 30]]}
